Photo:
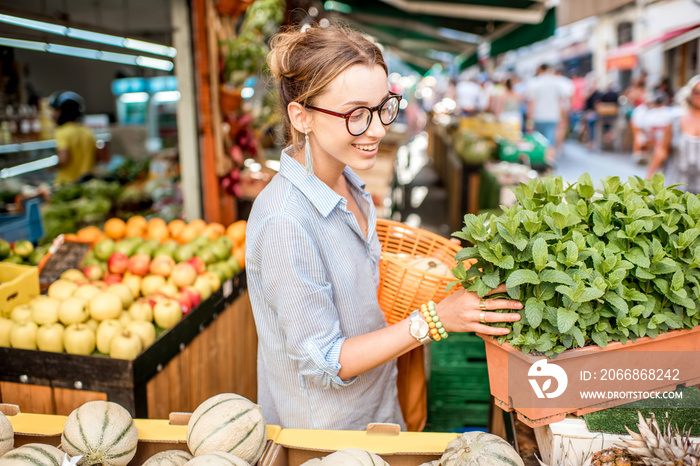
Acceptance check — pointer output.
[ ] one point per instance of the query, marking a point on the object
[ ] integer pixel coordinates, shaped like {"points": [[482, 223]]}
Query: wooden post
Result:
{"points": [[218, 205], [187, 133]]}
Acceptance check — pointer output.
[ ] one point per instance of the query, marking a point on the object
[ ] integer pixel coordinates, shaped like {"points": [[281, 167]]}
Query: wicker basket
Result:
{"points": [[403, 288]]}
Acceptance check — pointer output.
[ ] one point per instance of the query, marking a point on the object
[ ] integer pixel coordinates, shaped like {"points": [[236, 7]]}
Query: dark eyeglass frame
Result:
{"points": [[346, 116]]}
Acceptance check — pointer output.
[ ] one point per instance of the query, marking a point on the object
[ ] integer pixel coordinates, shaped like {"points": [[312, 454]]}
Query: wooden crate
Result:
{"points": [[212, 350]]}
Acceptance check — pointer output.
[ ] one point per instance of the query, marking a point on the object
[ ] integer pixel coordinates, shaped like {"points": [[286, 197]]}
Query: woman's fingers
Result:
{"points": [[499, 289], [485, 329], [490, 317], [493, 304]]}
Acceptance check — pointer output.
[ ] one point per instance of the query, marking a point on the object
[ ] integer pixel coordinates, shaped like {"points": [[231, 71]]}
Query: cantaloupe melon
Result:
{"points": [[7, 435], [33, 454], [103, 432], [228, 423], [217, 458], [169, 458], [354, 456], [480, 449]]}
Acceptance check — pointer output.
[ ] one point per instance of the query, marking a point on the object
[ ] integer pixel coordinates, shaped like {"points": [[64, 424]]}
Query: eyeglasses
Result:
{"points": [[358, 119]]}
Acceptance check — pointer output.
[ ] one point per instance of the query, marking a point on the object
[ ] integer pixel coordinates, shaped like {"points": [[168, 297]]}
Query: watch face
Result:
{"points": [[419, 328]]}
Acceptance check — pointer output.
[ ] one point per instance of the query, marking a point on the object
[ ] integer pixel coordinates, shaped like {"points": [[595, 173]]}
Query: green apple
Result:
{"points": [[23, 248], [104, 249], [184, 253], [207, 255]]}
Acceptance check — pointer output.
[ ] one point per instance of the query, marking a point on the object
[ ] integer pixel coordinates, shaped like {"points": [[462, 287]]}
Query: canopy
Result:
{"points": [[625, 57], [425, 32]]}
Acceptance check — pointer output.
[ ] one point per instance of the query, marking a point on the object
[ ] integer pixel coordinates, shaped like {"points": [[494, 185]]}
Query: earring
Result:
{"points": [[308, 160]]}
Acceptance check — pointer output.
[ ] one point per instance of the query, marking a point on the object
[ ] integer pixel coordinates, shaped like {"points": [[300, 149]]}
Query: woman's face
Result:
{"points": [[332, 145]]}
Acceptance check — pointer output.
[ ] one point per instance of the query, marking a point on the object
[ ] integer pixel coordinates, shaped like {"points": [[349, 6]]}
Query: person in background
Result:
{"points": [[326, 355], [546, 104], [75, 142], [678, 153], [508, 107], [469, 96], [568, 89]]}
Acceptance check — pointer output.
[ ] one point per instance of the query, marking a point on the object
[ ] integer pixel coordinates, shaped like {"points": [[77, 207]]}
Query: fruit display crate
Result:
{"points": [[55, 383]]}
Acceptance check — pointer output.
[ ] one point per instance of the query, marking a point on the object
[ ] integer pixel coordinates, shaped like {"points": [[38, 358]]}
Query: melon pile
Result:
{"points": [[226, 429]]}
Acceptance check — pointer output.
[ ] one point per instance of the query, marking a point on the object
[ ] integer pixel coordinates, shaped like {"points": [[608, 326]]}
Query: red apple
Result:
{"points": [[112, 278], [117, 263], [162, 265], [184, 274], [184, 302], [193, 294], [138, 264], [93, 272], [199, 265]]}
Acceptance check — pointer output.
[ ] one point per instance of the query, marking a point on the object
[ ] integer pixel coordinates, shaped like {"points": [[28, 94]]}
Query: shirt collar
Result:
{"points": [[316, 191]]}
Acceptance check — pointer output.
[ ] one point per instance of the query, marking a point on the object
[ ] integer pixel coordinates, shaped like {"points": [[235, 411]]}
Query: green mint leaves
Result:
{"points": [[590, 265]]}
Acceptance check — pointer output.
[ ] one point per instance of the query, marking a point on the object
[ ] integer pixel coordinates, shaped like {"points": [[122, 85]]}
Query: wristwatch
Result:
{"points": [[419, 328]]}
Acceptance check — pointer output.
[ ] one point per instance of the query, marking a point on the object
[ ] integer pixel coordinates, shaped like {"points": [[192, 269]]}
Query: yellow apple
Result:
{"points": [[105, 332], [50, 338], [125, 345], [73, 310], [93, 324], [79, 339], [74, 275], [151, 284], [125, 318], [145, 330], [45, 310], [86, 291], [61, 289], [105, 306], [123, 292], [5, 330], [203, 285], [213, 279], [24, 335], [134, 284], [169, 290], [21, 313], [167, 313], [141, 310]]}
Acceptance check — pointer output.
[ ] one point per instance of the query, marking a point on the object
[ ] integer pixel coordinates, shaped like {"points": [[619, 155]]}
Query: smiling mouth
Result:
{"points": [[367, 148]]}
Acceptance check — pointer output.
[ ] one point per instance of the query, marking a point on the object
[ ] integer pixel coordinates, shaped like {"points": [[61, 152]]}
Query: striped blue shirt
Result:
{"points": [[313, 278]]}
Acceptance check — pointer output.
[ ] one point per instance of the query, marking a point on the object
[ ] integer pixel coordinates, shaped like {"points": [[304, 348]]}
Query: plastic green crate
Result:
{"points": [[459, 349], [531, 147], [469, 382], [457, 417]]}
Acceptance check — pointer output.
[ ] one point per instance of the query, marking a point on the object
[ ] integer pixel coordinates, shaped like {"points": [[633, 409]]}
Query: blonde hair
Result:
{"points": [[684, 94], [304, 62]]}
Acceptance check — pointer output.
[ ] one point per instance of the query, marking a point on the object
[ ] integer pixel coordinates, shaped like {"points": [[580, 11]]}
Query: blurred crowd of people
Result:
{"points": [[648, 119]]}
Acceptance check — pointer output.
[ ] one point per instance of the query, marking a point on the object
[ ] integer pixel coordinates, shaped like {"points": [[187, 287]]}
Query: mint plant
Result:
{"points": [[590, 266]]}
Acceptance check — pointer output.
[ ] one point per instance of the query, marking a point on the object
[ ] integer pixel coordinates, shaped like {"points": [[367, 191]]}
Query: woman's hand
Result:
{"points": [[464, 311]]}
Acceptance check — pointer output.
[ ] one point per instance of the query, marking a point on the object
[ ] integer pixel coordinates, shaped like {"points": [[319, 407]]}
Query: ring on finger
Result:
{"points": [[482, 304], [482, 317]]}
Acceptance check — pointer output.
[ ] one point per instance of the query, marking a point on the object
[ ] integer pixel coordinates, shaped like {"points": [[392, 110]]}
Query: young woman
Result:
{"points": [[677, 154], [325, 353]]}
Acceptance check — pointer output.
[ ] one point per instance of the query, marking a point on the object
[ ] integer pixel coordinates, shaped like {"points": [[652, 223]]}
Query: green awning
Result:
{"points": [[525, 35], [426, 30]]}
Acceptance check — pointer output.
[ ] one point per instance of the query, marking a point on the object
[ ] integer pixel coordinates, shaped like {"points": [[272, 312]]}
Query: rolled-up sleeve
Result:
{"points": [[297, 289]]}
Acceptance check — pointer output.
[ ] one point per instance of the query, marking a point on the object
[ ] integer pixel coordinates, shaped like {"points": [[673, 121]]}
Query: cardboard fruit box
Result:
{"points": [[18, 285], [293, 447], [155, 435]]}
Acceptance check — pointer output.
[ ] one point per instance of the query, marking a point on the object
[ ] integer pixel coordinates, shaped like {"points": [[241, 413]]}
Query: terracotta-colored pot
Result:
{"points": [[515, 380], [230, 99]]}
